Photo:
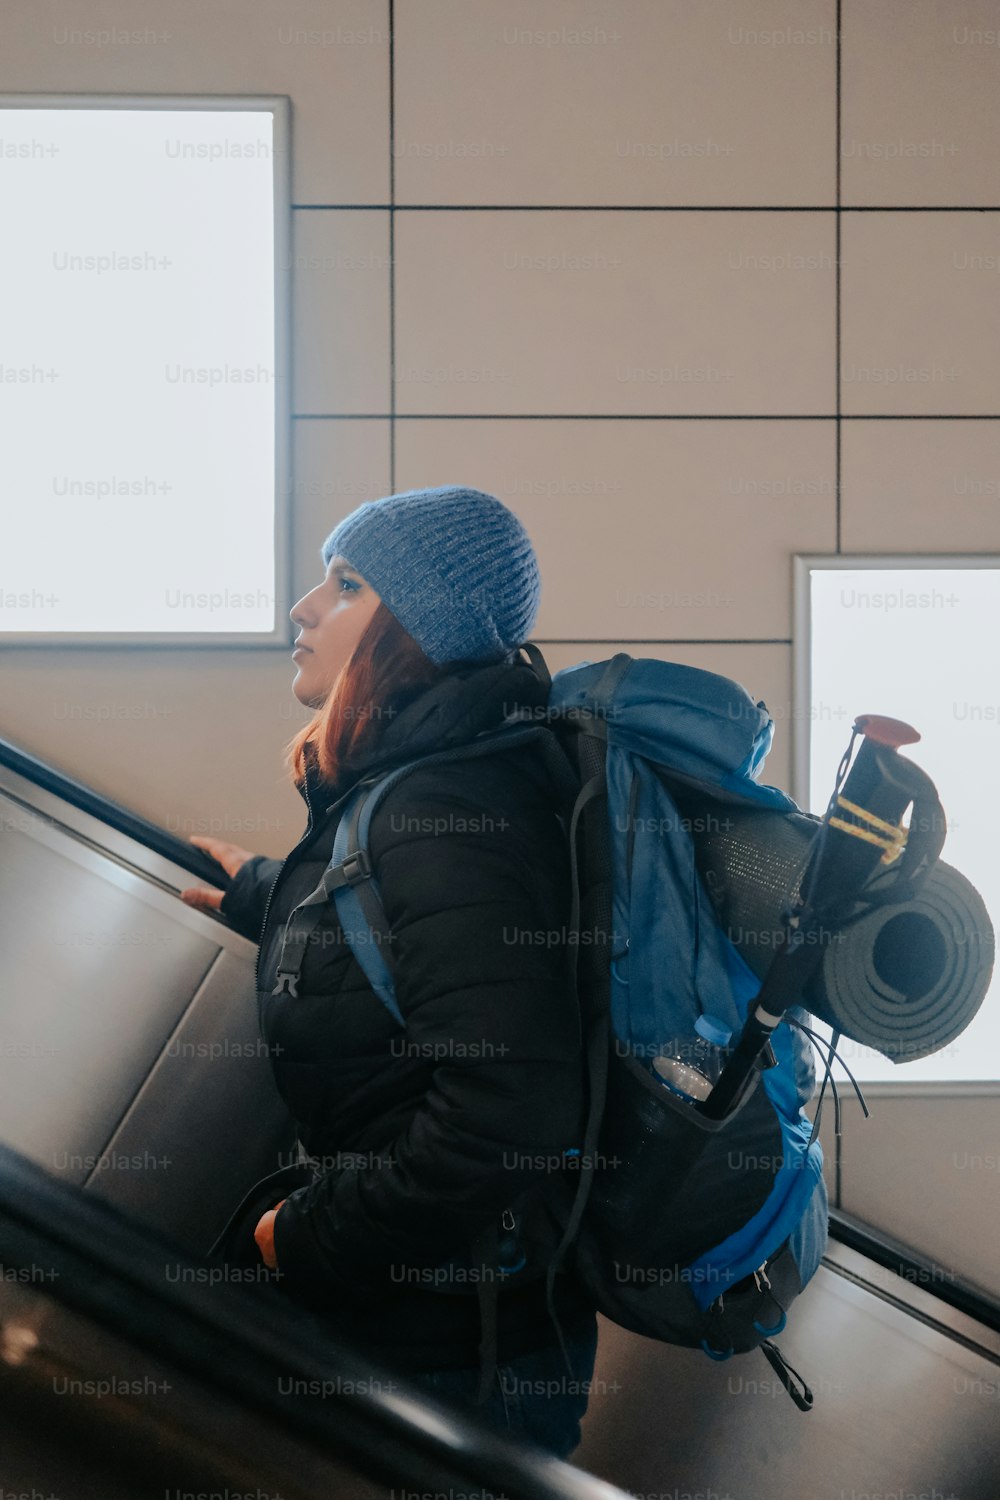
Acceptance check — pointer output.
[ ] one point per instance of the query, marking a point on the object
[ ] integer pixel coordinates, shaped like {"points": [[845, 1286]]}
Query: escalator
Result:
{"points": [[130, 1057], [136, 1106]]}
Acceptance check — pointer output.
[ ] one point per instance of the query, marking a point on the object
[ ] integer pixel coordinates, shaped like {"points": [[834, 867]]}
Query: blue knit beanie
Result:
{"points": [[454, 565]]}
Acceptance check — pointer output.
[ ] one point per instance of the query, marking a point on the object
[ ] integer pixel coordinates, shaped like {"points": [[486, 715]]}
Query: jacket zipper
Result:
{"points": [[267, 903], [311, 827]]}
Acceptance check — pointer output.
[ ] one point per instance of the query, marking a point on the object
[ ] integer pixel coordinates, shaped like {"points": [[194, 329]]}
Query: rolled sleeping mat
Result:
{"points": [[905, 978]]}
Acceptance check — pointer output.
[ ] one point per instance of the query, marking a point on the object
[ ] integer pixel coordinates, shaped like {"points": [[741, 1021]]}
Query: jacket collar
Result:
{"points": [[452, 711]]}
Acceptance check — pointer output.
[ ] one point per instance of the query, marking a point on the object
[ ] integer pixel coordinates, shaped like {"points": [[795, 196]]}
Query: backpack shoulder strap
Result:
{"points": [[350, 879]]}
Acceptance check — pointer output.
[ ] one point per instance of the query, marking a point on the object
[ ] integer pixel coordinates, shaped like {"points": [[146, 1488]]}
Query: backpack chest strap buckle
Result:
{"points": [[353, 868]]}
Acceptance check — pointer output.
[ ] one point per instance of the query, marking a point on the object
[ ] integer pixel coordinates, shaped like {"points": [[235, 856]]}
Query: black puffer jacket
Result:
{"points": [[426, 1136]]}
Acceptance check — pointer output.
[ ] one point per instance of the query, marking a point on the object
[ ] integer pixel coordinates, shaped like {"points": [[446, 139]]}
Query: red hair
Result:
{"points": [[387, 670]]}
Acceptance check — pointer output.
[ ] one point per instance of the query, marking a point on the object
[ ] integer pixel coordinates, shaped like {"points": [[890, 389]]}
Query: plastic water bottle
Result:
{"points": [[691, 1066]]}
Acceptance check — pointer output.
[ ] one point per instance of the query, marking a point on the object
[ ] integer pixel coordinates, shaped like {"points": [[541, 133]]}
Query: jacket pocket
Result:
{"points": [[235, 1244]]}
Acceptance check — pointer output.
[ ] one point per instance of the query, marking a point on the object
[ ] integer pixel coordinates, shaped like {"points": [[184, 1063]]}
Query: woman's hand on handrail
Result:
{"points": [[230, 856]]}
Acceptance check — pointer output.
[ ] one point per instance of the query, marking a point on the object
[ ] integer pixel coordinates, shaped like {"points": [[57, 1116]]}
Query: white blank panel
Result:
{"points": [[138, 394], [914, 643]]}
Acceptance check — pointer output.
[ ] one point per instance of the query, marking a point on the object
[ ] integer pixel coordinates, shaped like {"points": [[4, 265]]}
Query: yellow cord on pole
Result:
{"points": [[894, 840]]}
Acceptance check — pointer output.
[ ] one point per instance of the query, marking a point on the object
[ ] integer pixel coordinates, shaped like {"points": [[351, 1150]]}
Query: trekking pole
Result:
{"points": [[860, 830]]}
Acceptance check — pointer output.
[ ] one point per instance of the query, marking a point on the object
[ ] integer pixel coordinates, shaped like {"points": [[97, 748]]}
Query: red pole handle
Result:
{"points": [[890, 732]]}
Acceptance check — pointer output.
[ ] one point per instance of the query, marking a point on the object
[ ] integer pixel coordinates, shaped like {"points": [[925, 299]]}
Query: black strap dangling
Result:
{"points": [[784, 1371]]}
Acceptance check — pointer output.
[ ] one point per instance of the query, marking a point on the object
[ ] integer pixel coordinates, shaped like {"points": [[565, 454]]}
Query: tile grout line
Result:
{"points": [[392, 247], [837, 309], [601, 416], [651, 208], [838, 1174]]}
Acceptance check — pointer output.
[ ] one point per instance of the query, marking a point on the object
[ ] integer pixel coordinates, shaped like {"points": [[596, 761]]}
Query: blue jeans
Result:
{"points": [[534, 1397]]}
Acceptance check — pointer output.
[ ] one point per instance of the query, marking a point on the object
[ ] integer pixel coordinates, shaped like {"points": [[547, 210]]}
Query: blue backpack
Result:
{"points": [[684, 1229]]}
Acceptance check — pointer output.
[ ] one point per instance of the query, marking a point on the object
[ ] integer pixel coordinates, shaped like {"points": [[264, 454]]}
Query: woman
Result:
{"points": [[424, 1138]]}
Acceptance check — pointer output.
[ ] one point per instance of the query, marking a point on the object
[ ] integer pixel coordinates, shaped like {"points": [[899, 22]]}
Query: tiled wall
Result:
{"points": [[588, 256]]}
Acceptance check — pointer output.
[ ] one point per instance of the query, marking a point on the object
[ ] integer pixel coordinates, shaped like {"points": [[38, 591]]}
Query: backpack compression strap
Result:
{"points": [[592, 754]]}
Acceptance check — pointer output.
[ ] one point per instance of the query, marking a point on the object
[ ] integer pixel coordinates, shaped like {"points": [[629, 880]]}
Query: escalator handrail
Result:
{"points": [[122, 819], [109, 1268], [917, 1270]]}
